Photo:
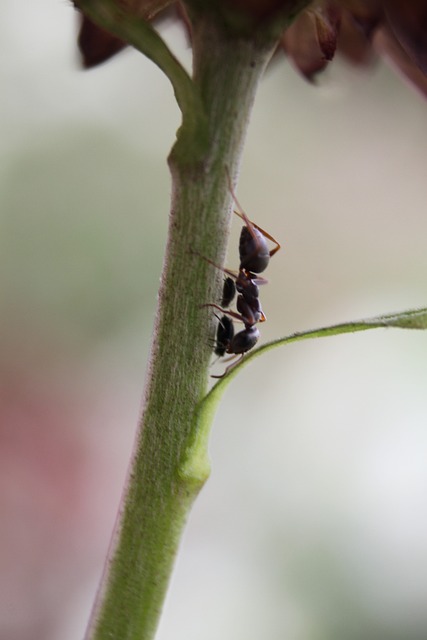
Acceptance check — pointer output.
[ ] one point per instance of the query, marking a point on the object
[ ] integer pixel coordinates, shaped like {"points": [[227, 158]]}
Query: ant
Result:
{"points": [[254, 259]]}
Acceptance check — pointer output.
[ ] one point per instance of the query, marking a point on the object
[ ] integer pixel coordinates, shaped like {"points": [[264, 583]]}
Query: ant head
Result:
{"points": [[244, 340]]}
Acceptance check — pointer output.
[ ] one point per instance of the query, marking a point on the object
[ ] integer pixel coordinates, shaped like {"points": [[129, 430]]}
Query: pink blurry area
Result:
{"points": [[60, 480], [70, 375], [72, 290], [70, 389]]}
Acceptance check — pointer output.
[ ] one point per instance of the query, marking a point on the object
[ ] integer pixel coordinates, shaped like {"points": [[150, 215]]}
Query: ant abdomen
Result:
{"points": [[253, 250]]}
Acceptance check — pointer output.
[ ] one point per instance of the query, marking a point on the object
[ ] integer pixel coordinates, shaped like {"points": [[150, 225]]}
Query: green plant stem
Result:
{"points": [[163, 482]]}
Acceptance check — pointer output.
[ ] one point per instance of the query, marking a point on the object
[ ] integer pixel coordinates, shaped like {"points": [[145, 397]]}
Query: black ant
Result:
{"points": [[254, 258]]}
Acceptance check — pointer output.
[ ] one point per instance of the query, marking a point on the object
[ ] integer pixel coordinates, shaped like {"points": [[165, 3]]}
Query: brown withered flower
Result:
{"points": [[98, 46], [360, 30]]}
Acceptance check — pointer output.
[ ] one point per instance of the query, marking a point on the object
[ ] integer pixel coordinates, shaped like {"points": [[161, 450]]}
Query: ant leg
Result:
{"points": [[232, 274], [237, 316], [257, 281], [234, 315], [233, 195], [230, 366], [267, 235], [248, 222]]}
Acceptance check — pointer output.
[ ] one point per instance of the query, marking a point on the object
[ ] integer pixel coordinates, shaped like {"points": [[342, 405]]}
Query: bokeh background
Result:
{"points": [[313, 525]]}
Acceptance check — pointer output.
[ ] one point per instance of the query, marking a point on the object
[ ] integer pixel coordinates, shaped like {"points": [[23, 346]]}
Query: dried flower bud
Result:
{"points": [[357, 28], [301, 43], [97, 45], [408, 21], [388, 46], [327, 19]]}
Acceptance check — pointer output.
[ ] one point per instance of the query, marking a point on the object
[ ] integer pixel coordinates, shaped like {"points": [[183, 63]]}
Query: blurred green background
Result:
{"points": [[313, 525]]}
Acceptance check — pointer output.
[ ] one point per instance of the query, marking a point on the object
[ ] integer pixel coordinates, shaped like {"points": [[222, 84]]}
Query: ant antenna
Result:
{"points": [[242, 213]]}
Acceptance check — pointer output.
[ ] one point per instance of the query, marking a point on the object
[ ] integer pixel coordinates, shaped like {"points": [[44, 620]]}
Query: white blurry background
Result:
{"points": [[313, 525]]}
